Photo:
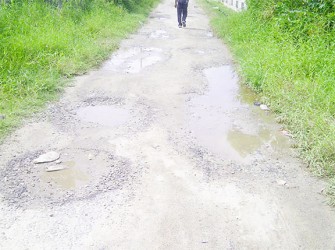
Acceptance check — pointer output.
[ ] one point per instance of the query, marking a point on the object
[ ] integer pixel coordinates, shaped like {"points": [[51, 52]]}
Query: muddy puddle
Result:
{"points": [[69, 178], [104, 115], [137, 65], [81, 167], [224, 120], [84, 173], [134, 59]]}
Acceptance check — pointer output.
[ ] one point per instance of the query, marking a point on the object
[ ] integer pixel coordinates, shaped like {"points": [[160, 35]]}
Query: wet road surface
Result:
{"points": [[161, 148]]}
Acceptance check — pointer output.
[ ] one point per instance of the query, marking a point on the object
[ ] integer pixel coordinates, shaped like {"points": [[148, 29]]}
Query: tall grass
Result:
{"points": [[294, 73], [42, 45]]}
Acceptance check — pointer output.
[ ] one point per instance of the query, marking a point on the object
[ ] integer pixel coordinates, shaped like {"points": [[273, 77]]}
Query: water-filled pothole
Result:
{"points": [[86, 173], [134, 59], [222, 122], [69, 178], [104, 115], [137, 65]]}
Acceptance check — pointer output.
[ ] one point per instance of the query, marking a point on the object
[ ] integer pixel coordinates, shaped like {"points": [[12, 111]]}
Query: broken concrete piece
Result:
{"points": [[48, 157], [55, 168]]}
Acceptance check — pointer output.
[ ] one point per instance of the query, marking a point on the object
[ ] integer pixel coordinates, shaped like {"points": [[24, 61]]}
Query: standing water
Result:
{"points": [[104, 115], [222, 122]]}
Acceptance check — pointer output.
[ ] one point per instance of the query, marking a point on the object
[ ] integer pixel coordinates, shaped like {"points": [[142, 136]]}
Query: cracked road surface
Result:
{"points": [[160, 148]]}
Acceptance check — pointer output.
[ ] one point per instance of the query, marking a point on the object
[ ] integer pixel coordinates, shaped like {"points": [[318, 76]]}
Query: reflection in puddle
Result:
{"points": [[136, 65], [222, 121], [69, 178], [82, 168], [134, 60], [104, 115], [245, 144], [246, 95]]}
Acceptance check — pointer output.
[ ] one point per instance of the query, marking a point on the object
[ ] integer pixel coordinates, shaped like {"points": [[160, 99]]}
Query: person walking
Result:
{"points": [[181, 6]]}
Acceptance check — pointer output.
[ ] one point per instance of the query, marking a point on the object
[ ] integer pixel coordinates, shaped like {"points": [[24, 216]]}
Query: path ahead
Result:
{"points": [[162, 150]]}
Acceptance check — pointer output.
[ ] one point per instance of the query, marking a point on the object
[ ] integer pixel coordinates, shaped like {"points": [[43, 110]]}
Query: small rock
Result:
{"points": [[257, 104], [2, 117], [54, 168], [90, 157], [48, 157], [264, 107], [281, 182]]}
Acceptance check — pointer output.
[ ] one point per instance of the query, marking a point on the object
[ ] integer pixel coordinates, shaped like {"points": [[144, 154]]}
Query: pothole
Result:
{"points": [[104, 115], [134, 60], [224, 124], [64, 115], [137, 65], [97, 111], [87, 173]]}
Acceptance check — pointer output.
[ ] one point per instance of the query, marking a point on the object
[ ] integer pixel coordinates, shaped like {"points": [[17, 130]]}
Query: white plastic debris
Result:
{"points": [[286, 133], [281, 182], [264, 107]]}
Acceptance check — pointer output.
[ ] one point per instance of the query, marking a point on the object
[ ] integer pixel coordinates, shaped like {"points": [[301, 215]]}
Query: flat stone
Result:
{"points": [[55, 168], [47, 157]]}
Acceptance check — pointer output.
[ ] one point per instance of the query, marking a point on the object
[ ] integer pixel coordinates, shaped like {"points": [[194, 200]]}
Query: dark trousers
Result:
{"points": [[182, 12]]}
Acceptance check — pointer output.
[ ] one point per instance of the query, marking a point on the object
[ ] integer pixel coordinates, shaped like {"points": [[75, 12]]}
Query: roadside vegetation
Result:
{"points": [[285, 51], [44, 43]]}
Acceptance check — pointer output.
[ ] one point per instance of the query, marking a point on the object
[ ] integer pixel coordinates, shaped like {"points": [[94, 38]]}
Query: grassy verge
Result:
{"points": [[295, 77], [42, 46]]}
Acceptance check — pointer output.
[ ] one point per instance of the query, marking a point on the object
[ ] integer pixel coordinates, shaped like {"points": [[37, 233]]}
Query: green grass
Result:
{"points": [[42, 46], [294, 75]]}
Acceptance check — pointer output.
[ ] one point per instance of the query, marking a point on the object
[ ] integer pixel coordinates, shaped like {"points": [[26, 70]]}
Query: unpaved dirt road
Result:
{"points": [[162, 150]]}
